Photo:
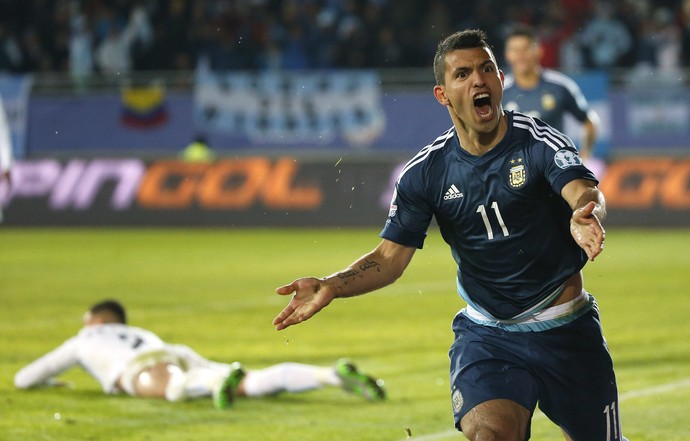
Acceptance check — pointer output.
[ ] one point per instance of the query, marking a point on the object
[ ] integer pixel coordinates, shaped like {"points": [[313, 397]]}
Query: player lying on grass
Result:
{"points": [[137, 362]]}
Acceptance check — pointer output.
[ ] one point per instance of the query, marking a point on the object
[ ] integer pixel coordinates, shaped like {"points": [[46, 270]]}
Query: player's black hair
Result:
{"points": [[112, 306], [522, 30], [467, 39]]}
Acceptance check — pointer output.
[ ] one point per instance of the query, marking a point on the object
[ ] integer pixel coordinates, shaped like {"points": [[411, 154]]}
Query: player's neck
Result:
{"points": [[528, 79], [479, 143]]}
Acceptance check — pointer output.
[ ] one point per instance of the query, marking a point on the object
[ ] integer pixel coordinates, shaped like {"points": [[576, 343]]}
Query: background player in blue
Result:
{"points": [[521, 215], [544, 93]]}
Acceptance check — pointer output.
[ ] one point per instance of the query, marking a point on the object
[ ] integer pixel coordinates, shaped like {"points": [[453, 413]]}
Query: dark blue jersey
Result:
{"points": [[550, 100], [501, 213]]}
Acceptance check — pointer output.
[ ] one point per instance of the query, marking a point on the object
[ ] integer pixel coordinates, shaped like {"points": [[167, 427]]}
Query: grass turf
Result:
{"points": [[214, 290]]}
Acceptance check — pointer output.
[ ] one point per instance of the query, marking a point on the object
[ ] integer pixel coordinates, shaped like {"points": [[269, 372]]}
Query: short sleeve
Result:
{"points": [[563, 166], [410, 211], [575, 102]]}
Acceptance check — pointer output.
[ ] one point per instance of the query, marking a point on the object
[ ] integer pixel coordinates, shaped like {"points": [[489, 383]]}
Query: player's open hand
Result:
{"points": [[587, 230], [309, 298]]}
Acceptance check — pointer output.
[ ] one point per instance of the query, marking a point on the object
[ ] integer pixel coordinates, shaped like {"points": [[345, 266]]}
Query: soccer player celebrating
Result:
{"points": [[522, 216], [137, 362]]}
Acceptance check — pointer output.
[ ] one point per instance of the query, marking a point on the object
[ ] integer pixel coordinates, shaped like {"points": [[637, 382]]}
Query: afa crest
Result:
{"points": [[548, 101], [457, 400], [518, 175]]}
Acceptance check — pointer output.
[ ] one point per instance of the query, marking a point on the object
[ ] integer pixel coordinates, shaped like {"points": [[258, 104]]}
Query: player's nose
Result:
{"points": [[478, 78]]}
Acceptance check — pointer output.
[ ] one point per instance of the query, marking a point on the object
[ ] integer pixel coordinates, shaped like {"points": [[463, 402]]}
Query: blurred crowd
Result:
{"points": [[84, 37]]}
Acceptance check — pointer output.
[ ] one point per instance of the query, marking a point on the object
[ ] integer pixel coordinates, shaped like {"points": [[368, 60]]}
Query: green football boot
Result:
{"points": [[224, 395], [358, 383]]}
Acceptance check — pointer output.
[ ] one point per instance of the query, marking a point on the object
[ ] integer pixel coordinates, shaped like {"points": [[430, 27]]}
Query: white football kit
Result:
{"points": [[114, 354]]}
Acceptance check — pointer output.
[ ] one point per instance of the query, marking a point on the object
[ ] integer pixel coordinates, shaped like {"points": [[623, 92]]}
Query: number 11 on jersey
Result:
{"points": [[489, 230]]}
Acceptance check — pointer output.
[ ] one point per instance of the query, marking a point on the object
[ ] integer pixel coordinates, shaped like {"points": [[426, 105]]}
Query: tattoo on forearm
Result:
{"points": [[347, 274], [369, 264], [366, 265]]}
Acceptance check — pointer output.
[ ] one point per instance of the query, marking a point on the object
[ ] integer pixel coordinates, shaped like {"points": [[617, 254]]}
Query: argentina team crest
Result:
{"points": [[518, 173], [548, 101], [457, 400]]}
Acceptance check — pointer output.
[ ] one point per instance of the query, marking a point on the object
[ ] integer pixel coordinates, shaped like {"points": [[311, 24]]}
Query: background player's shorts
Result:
{"points": [[144, 361], [567, 370]]}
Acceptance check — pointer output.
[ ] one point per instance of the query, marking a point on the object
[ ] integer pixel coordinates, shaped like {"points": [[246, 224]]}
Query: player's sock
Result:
{"points": [[288, 377]]}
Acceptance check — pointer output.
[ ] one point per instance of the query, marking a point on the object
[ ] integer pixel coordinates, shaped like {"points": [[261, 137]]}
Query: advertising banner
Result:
{"points": [[643, 191], [283, 191], [120, 125], [134, 122], [312, 110], [651, 118], [275, 108], [250, 191]]}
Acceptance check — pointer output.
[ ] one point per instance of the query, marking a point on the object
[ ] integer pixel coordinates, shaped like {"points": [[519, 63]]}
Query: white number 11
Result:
{"points": [[489, 231]]}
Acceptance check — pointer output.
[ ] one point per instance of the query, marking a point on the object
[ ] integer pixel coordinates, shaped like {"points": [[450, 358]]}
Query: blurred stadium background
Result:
{"points": [[309, 108]]}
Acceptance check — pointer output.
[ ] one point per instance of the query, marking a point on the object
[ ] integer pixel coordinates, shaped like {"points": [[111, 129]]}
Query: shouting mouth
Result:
{"points": [[482, 105]]}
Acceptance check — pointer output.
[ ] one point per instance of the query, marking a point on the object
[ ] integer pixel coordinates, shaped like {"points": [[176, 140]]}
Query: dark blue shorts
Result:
{"points": [[566, 370]]}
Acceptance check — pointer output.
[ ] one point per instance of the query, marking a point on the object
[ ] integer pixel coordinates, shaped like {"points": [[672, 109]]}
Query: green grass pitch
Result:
{"points": [[214, 290]]}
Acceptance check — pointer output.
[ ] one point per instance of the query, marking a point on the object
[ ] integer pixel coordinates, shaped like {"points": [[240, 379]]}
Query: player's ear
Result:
{"points": [[440, 94], [539, 49], [503, 77]]}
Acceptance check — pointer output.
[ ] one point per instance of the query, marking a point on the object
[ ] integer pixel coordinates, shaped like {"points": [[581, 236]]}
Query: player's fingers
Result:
{"points": [[286, 289], [297, 315], [595, 248], [579, 214], [584, 213], [285, 313], [598, 234], [593, 253], [586, 236], [289, 321]]}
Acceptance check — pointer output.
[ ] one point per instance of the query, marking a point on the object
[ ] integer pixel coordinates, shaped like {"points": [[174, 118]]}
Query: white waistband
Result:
{"points": [[543, 319]]}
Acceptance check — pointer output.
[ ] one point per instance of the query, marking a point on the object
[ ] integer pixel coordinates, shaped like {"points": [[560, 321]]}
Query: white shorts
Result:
{"points": [[144, 361]]}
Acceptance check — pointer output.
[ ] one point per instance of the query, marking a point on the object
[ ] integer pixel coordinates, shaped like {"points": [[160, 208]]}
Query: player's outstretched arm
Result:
{"points": [[42, 370], [381, 267], [589, 209]]}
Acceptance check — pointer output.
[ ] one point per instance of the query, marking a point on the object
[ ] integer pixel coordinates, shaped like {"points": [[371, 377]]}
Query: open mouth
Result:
{"points": [[482, 105]]}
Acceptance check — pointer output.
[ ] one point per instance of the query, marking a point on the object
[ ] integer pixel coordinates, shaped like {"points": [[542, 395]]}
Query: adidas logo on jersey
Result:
{"points": [[452, 193]]}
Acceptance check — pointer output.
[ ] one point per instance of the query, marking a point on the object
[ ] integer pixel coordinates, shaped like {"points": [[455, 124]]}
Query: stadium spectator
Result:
{"points": [[198, 151], [684, 20], [135, 361], [544, 93], [522, 216], [11, 56], [665, 39], [114, 52], [81, 62], [288, 34], [5, 155], [605, 39]]}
